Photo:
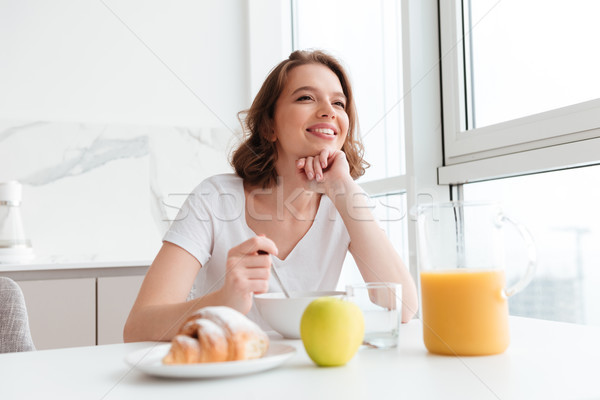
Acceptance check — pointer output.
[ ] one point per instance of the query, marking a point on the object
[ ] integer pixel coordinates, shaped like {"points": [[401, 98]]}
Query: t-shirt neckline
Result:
{"points": [[302, 239]]}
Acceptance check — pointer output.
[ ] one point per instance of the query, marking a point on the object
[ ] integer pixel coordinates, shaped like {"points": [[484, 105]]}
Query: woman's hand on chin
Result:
{"points": [[321, 173]]}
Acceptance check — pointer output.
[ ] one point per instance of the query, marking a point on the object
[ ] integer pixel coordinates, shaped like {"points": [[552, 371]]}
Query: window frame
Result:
{"points": [[566, 137], [422, 118]]}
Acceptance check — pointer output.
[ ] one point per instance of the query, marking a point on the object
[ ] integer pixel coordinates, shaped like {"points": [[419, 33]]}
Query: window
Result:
{"points": [[527, 57], [518, 76], [371, 52], [391, 48], [522, 125], [562, 215]]}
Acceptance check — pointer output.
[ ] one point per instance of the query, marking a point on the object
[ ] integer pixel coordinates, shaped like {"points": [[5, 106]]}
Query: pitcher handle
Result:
{"points": [[531, 256]]}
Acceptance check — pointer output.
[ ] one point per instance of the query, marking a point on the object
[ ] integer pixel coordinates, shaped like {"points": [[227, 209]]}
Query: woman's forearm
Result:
{"points": [[373, 252], [161, 322]]}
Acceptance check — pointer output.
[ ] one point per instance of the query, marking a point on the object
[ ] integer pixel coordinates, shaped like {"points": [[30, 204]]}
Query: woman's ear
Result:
{"points": [[270, 132]]}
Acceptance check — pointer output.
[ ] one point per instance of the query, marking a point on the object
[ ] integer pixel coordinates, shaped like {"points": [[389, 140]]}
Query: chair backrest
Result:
{"points": [[14, 325]]}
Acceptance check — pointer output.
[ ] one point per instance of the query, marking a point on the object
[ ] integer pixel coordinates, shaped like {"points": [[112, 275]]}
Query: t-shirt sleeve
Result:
{"points": [[193, 228]]}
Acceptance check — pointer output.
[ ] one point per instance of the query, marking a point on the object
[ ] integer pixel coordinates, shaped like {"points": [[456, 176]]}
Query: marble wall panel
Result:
{"points": [[105, 192]]}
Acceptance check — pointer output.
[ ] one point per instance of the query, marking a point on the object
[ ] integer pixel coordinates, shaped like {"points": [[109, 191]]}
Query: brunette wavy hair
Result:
{"points": [[254, 159]]}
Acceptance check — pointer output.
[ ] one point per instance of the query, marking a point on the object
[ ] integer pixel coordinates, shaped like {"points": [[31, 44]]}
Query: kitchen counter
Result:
{"points": [[42, 270], [77, 303]]}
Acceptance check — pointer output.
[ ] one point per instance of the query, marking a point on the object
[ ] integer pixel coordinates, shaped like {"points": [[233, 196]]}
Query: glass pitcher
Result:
{"points": [[461, 266]]}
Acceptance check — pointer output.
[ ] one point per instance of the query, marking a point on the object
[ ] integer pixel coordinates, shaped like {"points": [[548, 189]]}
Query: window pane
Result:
{"points": [[371, 50], [391, 212], [531, 56], [561, 211]]}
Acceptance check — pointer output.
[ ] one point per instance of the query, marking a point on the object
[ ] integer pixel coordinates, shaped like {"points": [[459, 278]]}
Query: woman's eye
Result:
{"points": [[304, 98], [340, 104]]}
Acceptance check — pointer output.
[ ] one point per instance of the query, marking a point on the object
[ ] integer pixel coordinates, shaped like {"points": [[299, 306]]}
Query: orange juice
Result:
{"points": [[464, 311]]}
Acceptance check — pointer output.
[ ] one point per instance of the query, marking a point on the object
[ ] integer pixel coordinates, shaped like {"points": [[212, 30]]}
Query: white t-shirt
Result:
{"points": [[212, 221]]}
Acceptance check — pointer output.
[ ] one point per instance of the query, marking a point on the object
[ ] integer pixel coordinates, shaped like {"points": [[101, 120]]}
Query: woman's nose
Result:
{"points": [[326, 111]]}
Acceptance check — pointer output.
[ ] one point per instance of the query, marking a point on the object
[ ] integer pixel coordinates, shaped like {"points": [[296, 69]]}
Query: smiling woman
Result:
{"points": [[254, 160], [302, 209]]}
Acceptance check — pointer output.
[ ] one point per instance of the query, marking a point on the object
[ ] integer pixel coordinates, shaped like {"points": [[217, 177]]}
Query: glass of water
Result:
{"points": [[381, 304]]}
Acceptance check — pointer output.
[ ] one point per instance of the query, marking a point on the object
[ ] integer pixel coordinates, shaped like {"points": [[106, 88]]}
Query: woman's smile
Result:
{"points": [[323, 130]]}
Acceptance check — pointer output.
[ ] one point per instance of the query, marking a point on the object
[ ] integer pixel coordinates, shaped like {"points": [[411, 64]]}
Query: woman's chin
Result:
{"points": [[317, 150]]}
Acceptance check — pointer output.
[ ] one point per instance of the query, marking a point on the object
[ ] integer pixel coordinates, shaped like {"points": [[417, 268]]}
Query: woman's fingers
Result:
{"points": [[324, 157], [258, 285], [258, 272], [251, 261], [318, 169], [248, 271], [242, 280], [309, 169], [315, 167], [254, 245]]}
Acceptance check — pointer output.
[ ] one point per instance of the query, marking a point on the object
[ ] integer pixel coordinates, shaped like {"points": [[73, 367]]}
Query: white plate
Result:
{"points": [[149, 360]]}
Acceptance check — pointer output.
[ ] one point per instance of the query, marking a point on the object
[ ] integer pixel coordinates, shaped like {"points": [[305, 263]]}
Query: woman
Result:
{"points": [[292, 203]]}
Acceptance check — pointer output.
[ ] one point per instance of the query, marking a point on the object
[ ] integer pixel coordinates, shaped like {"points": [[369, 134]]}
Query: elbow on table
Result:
{"points": [[131, 331], [408, 313], [410, 306]]}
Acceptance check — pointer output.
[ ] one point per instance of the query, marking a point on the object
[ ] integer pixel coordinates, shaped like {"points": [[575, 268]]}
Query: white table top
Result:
{"points": [[546, 360]]}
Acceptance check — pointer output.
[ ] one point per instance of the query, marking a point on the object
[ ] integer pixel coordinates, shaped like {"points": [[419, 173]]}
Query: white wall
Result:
{"points": [[110, 109], [143, 62]]}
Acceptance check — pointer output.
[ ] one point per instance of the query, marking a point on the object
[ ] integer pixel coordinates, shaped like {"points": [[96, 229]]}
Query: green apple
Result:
{"points": [[332, 330]]}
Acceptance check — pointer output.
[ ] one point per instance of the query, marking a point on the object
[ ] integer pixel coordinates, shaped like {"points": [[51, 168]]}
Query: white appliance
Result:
{"points": [[15, 247]]}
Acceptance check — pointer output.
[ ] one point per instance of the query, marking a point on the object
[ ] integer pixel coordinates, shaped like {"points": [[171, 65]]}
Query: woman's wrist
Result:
{"points": [[342, 187], [351, 201]]}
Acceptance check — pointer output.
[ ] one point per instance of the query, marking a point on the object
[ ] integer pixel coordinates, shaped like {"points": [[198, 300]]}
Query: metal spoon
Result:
{"points": [[276, 276]]}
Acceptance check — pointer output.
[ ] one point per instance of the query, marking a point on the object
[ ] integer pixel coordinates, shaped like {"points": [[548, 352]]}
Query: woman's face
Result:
{"points": [[310, 113]]}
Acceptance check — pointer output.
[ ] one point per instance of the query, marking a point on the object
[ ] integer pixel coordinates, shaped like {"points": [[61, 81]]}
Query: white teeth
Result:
{"points": [[326, 131]]}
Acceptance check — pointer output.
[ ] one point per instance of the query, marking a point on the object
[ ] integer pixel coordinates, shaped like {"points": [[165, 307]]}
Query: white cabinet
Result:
{"points": [[116, 295], [62, 312], [79, 304], [79, 312]]}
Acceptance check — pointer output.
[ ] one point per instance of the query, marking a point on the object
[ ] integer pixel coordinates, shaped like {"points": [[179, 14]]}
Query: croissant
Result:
{"points": [[216, 334]]}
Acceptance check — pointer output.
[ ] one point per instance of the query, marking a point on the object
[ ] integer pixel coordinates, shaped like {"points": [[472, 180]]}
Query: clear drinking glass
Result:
{"points": [[381, 304]]}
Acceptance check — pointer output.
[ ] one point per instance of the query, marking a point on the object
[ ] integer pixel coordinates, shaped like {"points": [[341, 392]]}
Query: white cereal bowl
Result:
{"points": [[284, 314]]}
